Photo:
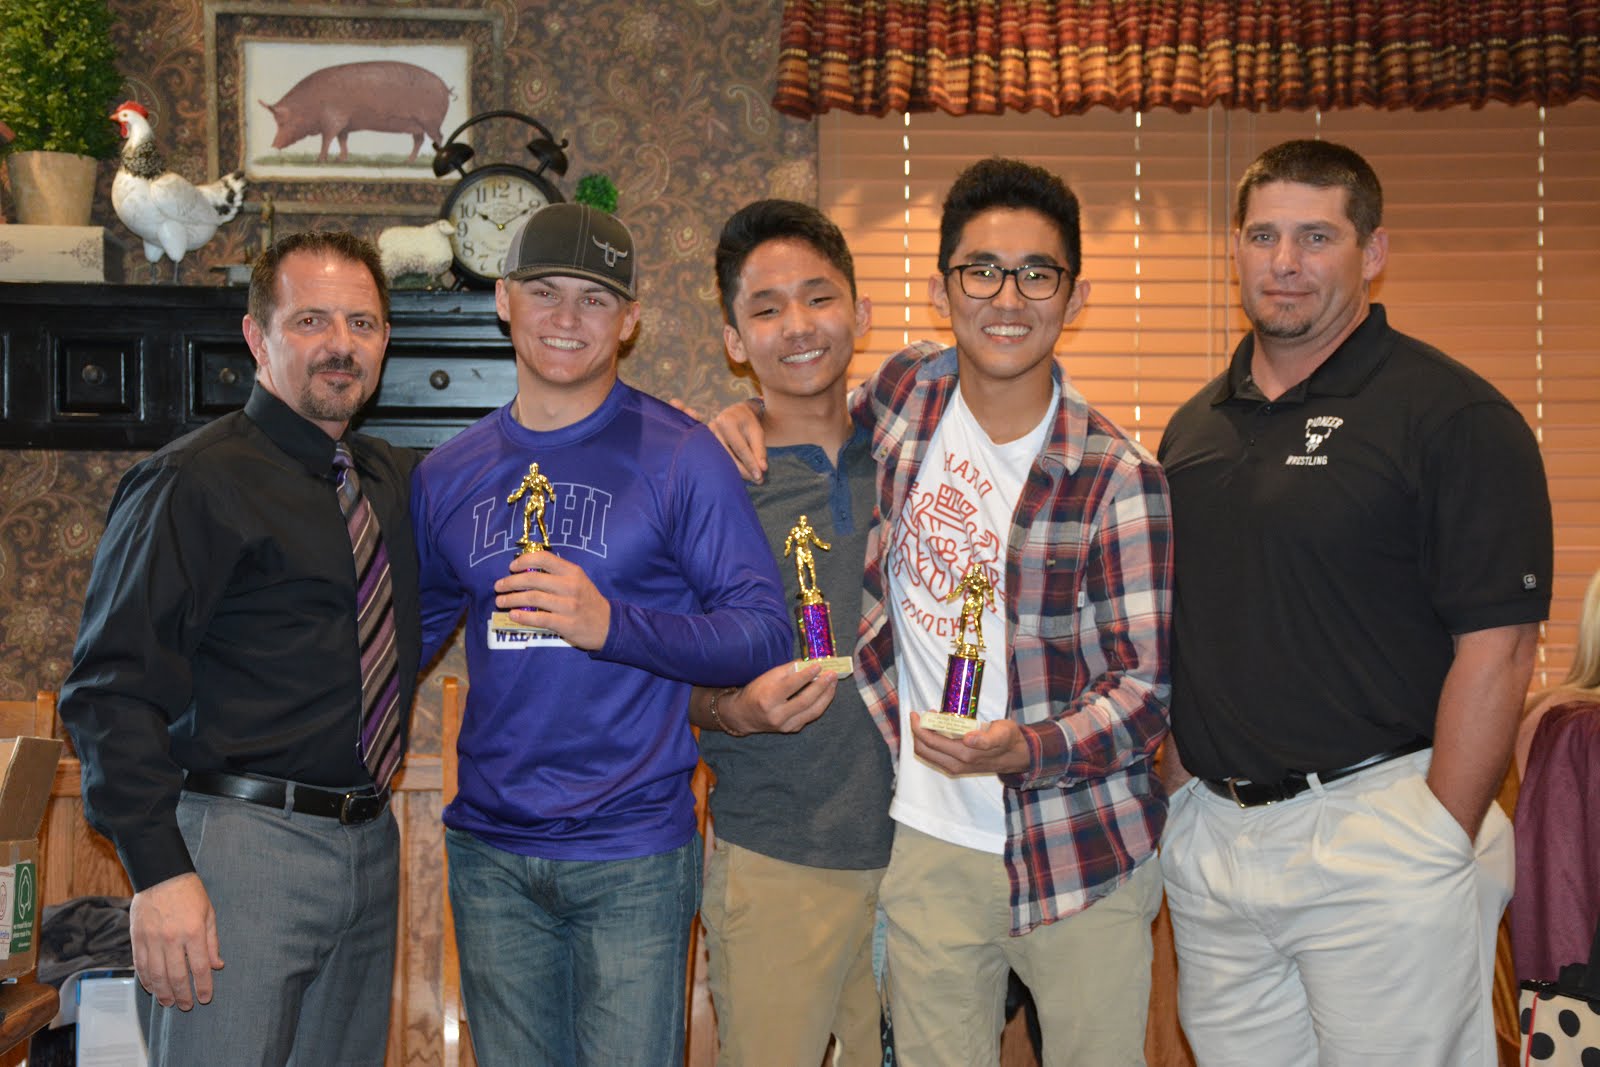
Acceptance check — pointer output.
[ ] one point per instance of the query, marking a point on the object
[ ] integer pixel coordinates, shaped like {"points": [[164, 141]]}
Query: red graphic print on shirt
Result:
{"points": [[940, 534]]}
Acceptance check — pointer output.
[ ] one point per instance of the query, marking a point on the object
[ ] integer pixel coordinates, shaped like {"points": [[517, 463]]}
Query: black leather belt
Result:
{"points": [[348, 808], [1248, 794]]}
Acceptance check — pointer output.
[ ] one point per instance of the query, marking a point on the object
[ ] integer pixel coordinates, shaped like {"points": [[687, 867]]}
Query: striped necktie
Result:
{"points": [[379, 741]]}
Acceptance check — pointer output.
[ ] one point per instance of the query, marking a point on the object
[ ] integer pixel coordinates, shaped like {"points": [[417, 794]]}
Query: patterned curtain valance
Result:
{"points": [[1066, 56]]}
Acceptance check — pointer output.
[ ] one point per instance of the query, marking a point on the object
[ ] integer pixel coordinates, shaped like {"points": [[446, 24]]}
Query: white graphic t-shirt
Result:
{"points": [[958, 514]]}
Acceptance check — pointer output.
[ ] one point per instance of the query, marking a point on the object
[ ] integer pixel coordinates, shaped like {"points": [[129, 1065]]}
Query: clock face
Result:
{"points": [[486, 207]]}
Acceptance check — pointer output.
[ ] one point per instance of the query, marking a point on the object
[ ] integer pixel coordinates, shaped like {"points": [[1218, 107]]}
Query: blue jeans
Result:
{"points": [[573, 963]]}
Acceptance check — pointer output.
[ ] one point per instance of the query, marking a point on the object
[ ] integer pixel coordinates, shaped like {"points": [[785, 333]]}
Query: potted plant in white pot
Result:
{"points": [[58, 84]]}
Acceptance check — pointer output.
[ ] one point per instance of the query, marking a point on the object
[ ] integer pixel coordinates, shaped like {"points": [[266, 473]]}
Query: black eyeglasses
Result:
{"points": [[983, 281]]}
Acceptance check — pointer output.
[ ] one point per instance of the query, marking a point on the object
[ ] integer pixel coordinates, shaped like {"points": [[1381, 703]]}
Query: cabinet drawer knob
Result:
{"points": [[93, 374], [228, 376], [439, 379]]}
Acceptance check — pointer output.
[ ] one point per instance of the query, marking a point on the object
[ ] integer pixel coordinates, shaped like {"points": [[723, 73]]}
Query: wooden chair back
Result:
{"points": [[701, 785], [29, 718], [457, 1041]]}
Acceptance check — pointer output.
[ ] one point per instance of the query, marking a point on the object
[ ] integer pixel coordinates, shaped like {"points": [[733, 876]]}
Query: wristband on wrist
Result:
{"points": [[717, 720]]}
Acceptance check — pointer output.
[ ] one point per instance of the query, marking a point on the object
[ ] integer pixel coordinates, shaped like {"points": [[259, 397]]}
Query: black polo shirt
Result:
{"points": [[1328, 544]]}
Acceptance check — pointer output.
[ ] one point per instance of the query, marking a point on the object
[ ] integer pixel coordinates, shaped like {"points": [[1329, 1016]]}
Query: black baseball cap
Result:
{"points": [[573, 240]]}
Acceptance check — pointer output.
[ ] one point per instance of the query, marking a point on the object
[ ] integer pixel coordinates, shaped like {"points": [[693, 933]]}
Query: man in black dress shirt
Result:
{"points": [[216, 692]]}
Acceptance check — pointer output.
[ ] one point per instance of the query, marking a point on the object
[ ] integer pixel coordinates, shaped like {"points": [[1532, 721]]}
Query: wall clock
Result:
{"points": [[489, 202]]}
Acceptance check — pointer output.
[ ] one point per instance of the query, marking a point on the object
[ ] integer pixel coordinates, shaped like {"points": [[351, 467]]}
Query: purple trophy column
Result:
{"points": [[962, 680], [816, 633]]}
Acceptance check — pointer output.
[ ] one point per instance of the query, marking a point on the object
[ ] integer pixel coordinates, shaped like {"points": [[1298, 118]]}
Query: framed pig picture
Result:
{"points": [[318, 103], [349, 110]]}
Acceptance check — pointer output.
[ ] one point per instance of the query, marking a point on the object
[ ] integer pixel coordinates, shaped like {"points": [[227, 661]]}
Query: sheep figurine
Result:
{"points": [[419, 250]]}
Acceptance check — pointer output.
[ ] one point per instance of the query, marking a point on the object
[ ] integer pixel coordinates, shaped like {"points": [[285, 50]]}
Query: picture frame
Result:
{"points": [[273, 68]]}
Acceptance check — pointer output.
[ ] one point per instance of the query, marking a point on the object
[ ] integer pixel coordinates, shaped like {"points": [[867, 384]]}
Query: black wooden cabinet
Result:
{"points": [[133, 366]]}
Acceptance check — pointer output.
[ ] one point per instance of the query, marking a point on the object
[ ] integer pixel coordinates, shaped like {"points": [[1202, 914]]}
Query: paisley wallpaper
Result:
{"points": [[667, 98]]}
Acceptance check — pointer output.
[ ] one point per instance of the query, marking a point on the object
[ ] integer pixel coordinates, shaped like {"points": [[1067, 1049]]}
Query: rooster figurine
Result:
{"points": [[168, 212]]}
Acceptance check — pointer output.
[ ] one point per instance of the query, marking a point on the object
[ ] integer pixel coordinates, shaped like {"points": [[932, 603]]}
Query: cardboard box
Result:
{"points": [[59, 254], [27, 773]]}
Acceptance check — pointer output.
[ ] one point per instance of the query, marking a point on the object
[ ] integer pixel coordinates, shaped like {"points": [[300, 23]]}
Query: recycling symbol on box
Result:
{"points": [[26, 895]]}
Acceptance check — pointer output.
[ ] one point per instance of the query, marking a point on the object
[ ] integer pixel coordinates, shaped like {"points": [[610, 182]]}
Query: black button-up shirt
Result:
{"points": [[219, 627]]}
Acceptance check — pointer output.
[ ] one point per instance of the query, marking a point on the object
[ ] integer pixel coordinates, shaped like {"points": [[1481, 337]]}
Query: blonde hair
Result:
{"points": [[1585, 672]]}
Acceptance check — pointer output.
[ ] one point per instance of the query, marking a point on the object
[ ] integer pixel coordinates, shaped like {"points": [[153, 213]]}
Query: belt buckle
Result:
{"points": [[360, 807], [1233, 791]]}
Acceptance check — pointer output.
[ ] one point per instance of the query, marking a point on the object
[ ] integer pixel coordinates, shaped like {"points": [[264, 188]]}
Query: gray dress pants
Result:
{"points": [[306, 917]]}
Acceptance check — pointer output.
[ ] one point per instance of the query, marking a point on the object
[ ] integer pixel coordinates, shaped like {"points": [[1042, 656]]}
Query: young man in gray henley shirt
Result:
{"points": [[801, 805]]}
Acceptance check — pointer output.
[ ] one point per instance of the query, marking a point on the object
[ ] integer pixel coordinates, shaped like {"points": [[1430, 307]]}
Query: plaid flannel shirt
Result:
{"points": [[1088, 622]]}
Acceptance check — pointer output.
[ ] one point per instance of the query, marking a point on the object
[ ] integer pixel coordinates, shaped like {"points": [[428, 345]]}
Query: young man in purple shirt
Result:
{"points": [[574, 859]]}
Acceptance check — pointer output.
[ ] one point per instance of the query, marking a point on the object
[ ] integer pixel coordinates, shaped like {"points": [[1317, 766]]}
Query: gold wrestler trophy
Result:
{"points": [[535, 491], [816, 628], [963, 676]]}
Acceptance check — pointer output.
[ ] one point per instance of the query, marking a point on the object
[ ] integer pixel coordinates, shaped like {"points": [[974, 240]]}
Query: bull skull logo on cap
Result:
{"points": [[612, 253]]}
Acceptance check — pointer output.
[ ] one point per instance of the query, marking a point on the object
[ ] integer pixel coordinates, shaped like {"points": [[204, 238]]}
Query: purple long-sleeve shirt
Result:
{"points": [[567, 754]]}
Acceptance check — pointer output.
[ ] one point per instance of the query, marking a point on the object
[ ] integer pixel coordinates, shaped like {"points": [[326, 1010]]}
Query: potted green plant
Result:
{"points": [[58, 83]]}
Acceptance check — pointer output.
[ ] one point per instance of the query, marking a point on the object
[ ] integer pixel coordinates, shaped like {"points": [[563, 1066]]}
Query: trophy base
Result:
{"points": [[942, 722], [839, 665], [506, 634], [502, 620]]}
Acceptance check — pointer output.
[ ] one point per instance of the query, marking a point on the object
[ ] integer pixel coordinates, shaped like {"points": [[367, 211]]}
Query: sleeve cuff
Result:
{"points": [[1047, 747], [154, 859]]}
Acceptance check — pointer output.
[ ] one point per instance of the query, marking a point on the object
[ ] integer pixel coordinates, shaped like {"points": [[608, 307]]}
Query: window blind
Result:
{"points": [[1494, 222]]}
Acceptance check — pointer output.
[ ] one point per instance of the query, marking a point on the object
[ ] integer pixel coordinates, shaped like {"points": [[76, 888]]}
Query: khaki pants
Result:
{"points": [[949, 948], [791, 960], [1351, 926]]}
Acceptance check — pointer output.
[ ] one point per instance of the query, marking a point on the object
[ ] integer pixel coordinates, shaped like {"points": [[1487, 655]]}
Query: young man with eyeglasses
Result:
{"points": [[1028, 843]]}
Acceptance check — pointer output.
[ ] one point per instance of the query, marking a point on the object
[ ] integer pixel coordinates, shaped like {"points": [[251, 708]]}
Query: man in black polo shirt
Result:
{"points": [[1363, 551]]}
